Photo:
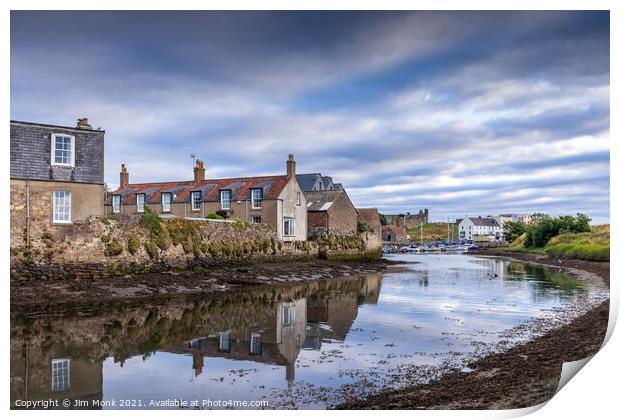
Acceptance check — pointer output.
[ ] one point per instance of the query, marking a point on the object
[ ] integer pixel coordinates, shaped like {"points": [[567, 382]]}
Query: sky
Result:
{"points": [[463, 113]]}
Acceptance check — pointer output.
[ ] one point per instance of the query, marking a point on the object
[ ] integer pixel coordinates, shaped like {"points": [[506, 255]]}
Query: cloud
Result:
{"points": [[461, 112]]}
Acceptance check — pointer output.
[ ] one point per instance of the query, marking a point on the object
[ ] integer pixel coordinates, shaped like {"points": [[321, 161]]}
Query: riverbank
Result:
{"points": [[524, 376], [39, 293]]}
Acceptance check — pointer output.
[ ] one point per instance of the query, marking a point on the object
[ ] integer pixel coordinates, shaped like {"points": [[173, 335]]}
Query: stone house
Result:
{"points": [[56, 178], [368, 220], [480, 229], [393, 234], [331, 211], [276, 200]]}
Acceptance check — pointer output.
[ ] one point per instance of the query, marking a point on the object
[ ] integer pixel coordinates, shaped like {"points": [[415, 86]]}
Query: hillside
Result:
{"points": [[433, 232]]}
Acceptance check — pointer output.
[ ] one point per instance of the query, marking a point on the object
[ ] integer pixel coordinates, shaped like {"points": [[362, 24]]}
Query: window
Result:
{"points": [[166, 201], [116, 203], [257, 219], [63, 150], [256, 346], [140, 202], [256, 195], [62, 207], [195, 197], [225, 341], [289, 227], [298, 198], [288, 316], [60, 375], [225, 199]]}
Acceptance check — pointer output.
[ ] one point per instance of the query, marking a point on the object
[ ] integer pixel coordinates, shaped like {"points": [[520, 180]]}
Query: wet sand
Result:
{"points": [[526, 375]]}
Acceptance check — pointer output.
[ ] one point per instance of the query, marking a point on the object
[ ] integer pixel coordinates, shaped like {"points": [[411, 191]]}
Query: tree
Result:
{"points": [[383, 219], [512, 230]]}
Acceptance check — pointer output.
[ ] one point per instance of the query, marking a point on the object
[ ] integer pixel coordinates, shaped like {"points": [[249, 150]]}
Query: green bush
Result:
{"points": [[151, 249], [513, 230], [214, 216], [113, 248], [133, 244], [151, 221], [546, 227], [105, 238], [162, 238]]}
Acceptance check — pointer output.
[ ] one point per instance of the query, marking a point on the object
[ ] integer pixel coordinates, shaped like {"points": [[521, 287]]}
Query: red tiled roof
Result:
{"points": [[272, 187], [396, 229]]}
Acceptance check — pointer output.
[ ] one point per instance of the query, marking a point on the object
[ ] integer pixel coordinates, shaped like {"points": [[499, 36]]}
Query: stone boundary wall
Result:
{"points": [[116, 246]]}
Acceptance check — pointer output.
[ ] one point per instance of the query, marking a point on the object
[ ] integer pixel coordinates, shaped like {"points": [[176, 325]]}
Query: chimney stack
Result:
{"points": [[199, 171], [124, 175], [290, 166], [83, 123]]}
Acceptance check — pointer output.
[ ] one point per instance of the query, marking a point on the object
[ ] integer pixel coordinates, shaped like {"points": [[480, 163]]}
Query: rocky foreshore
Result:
{"points": [[37, 293]]}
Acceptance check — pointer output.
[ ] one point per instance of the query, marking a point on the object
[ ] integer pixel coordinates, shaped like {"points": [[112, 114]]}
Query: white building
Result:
{"points": [[480, 228], [503, 218]]}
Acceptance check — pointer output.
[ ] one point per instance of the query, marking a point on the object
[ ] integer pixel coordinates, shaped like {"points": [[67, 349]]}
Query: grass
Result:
{"points": [[589, 246], [433, 232]]}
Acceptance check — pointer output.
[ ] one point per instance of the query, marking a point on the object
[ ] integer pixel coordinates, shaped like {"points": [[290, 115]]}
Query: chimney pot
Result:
{"points": [[83, 123], [124, 179]]}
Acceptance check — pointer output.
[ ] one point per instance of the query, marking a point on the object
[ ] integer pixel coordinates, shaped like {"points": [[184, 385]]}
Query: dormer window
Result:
{"points": [[225, 199], [140, 202], [166, 202], [116, 203], [195, 197], [256, 195], [63, 150]]}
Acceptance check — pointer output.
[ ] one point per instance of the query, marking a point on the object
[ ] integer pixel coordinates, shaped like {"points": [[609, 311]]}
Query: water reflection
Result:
{"points": [[247, 343]]}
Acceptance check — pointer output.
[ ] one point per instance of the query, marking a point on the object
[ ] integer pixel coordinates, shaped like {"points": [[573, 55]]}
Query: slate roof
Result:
{"points": [[272, 187], [307, 181], [484, 221], [321, 200]]}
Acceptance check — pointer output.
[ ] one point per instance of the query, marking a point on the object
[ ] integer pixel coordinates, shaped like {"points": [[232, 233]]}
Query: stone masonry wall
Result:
{"points": [[113, 246]]}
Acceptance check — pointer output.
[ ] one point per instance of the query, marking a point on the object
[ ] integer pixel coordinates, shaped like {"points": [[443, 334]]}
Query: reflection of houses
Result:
{"points": [[274, 340], [43, 375], [330, 317]]}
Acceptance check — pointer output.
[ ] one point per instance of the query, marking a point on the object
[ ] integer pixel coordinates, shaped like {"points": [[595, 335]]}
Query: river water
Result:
{"points": [[305, 345]]}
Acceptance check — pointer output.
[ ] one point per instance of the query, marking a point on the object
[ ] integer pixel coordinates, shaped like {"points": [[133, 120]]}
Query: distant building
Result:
{"points": [[393, 234], [480, 229], [316, 182], [56, 178], [503, 218], [408, 220], [331, 211], [276, 200]]}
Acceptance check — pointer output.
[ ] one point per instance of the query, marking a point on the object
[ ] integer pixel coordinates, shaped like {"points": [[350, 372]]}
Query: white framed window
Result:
{"points": [[257, 219], [256, 194], [225, 341], [256, 347], [61, 205], [140, 202], [166, 202], [288, 316], [195, 197], [63, 150], [116, 203], [60, 375], [225, 199], [289, 227]]}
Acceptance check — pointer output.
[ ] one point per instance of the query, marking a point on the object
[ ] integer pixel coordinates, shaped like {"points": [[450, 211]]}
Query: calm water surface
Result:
{"points": [[303, 345]]}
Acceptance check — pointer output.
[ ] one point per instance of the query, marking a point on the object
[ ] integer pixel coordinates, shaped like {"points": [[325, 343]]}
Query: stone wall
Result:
{"points": [[115, 246], [408, 220], [31, 208]]}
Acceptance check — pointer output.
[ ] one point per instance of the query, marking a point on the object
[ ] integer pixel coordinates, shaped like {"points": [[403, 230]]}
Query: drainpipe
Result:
{"points": [[28, 214]]}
